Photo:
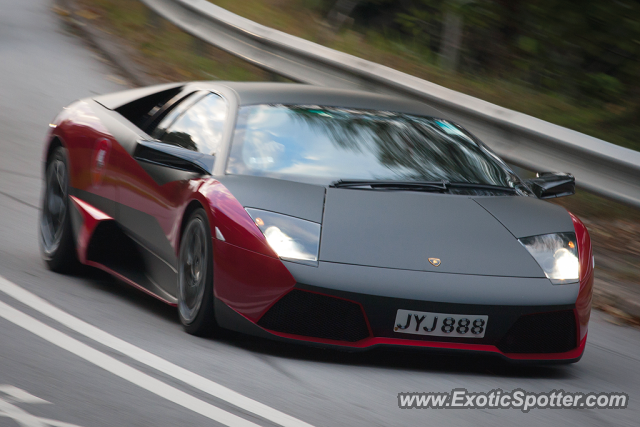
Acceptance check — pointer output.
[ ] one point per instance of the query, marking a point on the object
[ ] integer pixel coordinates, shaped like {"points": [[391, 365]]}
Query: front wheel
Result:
{"points": [[195, 276], [56, 238]]}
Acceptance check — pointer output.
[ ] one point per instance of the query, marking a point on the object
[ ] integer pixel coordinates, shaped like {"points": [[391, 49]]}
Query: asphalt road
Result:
{"points": [[91, 351]]}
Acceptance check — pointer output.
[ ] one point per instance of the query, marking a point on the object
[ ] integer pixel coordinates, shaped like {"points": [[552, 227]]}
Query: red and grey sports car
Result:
{"points": [[337, 218]]}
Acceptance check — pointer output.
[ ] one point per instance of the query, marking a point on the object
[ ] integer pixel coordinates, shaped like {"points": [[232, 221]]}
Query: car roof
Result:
{"points": [[252, 93]]}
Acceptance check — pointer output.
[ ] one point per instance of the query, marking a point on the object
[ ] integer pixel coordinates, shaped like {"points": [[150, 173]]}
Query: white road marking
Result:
{"points": [[22, 417], [20, 395], [194, 380], [114, 366]]}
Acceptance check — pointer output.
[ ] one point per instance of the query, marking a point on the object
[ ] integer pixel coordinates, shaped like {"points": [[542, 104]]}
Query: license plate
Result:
{"points": [[440, 324]]}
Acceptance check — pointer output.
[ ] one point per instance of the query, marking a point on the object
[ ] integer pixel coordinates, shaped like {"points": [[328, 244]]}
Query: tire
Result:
{"points": [[57, 244], [195, 276]]}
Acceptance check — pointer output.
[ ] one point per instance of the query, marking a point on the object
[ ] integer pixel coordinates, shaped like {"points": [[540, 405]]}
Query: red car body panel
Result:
{"points": [[585, 254], [91, 218], [249, 282], [379, 341]]}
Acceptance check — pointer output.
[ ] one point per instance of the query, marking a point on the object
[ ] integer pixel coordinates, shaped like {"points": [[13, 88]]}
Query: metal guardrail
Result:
{"points": [[598, 166]]}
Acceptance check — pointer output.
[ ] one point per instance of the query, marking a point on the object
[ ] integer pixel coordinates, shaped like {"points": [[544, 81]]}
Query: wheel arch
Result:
{"points": [[54, 142], [192, 206], [204, 322]]}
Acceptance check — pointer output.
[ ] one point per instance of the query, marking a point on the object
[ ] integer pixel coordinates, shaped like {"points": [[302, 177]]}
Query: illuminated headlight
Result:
{"points": [[291, 238], [557, 254]]}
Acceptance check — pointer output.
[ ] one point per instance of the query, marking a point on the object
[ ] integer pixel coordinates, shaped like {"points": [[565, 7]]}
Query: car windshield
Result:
{"points": [[324, 144]]}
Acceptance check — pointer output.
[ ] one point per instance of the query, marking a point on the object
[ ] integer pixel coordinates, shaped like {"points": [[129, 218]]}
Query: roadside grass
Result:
{"points": [[610, 122], [165, 51], [593, 207]]}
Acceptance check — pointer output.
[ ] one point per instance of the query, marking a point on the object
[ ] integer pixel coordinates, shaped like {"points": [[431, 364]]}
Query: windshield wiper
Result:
{"points": [[440, 186], [480, 186], [391, 185]]}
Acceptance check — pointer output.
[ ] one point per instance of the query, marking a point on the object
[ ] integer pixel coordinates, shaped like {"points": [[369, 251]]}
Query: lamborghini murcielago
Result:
{"points": [[337, 218]]}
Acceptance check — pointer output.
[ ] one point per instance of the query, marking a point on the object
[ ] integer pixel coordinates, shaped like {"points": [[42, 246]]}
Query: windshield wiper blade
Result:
{"points": [[441, 186], [480, 186], [391, 185]]}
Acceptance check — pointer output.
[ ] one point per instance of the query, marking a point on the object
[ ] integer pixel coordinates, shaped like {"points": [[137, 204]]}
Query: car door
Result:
{"points": [[159, 180]]}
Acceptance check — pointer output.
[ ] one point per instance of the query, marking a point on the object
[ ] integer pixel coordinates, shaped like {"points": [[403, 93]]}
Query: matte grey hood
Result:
{"points": [[527, 216], [404, 229], [277, 195]]}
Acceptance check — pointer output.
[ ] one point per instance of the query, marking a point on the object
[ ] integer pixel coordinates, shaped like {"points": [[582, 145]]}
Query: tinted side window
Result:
{"points": [[200, 127], [142, 109], [176, 111]]}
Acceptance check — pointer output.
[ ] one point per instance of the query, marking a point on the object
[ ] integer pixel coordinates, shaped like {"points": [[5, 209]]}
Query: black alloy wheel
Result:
{"points": [[56, 237], [195, 276]]}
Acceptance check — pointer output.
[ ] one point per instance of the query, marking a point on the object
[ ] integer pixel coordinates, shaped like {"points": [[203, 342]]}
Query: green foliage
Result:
{"points": [[601, 86], [586, 50]]}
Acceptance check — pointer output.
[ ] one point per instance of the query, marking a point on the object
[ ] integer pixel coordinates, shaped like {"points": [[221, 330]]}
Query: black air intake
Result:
{"points": [[314, 315], [541, 333]]}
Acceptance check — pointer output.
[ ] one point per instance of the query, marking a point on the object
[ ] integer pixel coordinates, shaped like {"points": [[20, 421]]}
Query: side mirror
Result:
{"points": [[548, 185], [174, 157]]}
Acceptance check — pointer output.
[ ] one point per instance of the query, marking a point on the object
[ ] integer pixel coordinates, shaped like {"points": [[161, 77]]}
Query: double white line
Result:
{"points": [[130, 374]]}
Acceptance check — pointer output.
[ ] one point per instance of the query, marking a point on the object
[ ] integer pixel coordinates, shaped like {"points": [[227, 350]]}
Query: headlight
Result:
{"points": [[291, 238], [557, 254]]}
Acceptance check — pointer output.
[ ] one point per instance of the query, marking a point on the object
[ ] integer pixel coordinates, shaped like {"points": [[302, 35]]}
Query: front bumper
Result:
{"points": [[529, 318]]}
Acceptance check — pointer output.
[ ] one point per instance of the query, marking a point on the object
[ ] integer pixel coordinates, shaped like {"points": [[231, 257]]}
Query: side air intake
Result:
{"points": [[541, 333], [318, 316]]}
